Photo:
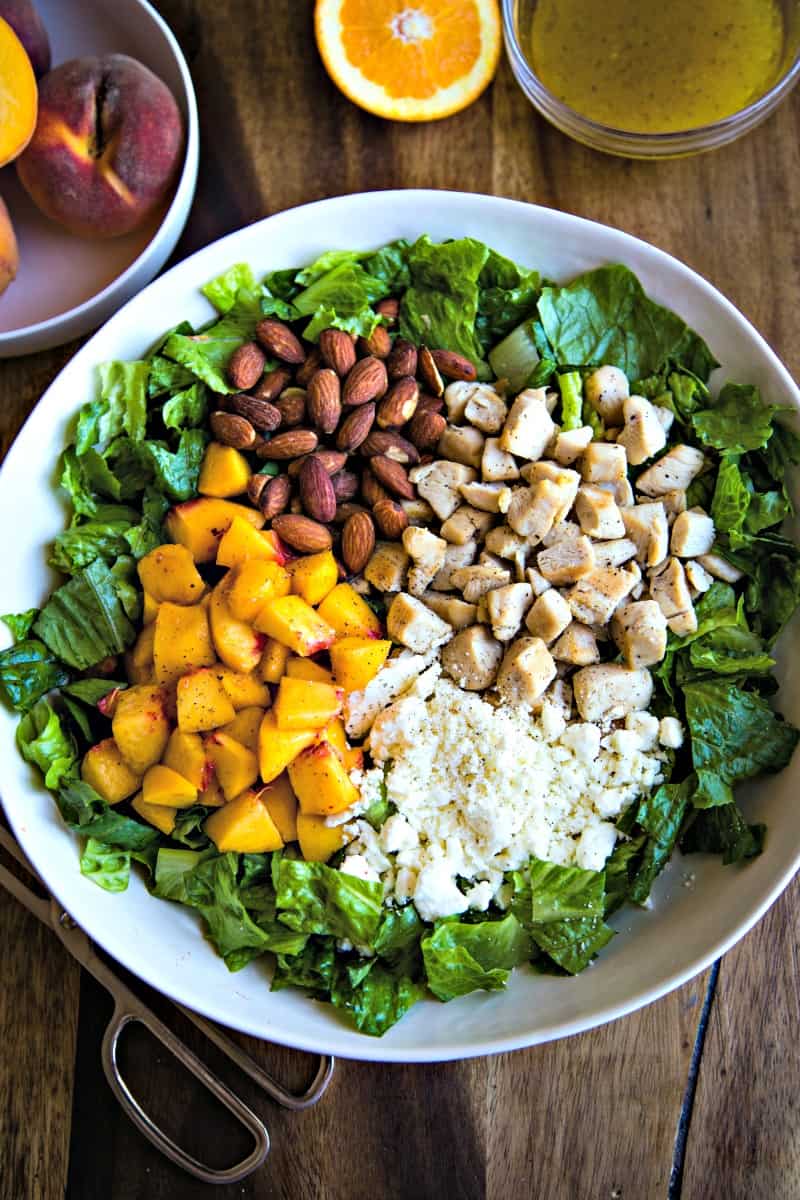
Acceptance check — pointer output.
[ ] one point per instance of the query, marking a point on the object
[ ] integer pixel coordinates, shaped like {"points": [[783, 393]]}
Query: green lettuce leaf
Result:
{"points": [[314, 898], [660, 815], [723, 830], [376, 997], [42, 740], [19, 624], [84, 620], [177, 473], [543, 891], [168, 376], [149, 532], [186, 409], [620, 870], [87, 813], [461, 957], [440, 306], [92, 691], [206, 355], [78, 546], [571, 387], [517, 357], [360, 323], [28, 670], [558, 893], [120, 408], [234, 288], [737, 421], [312, 969], [107, 866], [507, 295]]}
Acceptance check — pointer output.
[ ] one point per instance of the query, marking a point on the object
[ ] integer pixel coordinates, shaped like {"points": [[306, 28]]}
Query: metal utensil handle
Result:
{"points": [[124, 1016]]}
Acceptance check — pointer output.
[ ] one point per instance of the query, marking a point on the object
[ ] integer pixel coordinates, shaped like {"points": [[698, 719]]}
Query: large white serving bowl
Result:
{"points": [[700, 908]]}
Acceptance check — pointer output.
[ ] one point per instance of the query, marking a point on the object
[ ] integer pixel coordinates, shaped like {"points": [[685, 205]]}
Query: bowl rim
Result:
{"points": [[177, 211], [639, 144], [344, 1041]]}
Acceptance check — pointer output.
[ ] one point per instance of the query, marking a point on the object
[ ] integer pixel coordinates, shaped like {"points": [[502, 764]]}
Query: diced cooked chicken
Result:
{"points": [[474, 582], [419, 512], [472, 658], [454, 557], [487, 559], [566, 561], [697, 577], [482, 611], [643, 434], [396, 676], [507, 607], [528, 427], [693, 534], [548, 616], [462, 444], [551, 399], [567, 481], [526, 671], [609, 691], [665, 415], [682, 624], [427, 552], [485, 409], [607, 389], [413, 624], [720, 568], [640, 631], [564, 531], [646, 525], [504, 542], [456, 612], [669, 587], [534, 510], [598, 514], [604, 462], [615, 553], [466, 523], [674, 503], [576, 646], [674, 470], [386, 569], [623, 493], [559, 694], [571, 443], [456, 396], [497, 466], [488, 497], [594, 598], [537, 581], [439, 482]]}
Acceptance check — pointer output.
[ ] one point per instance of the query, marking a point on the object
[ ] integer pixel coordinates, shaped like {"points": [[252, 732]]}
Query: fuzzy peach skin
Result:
{"points": [[9, 254], [107, 146], [29, 28]]}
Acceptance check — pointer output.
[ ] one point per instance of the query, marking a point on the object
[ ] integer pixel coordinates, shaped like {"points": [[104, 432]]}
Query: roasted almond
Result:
{"points": [[291, 444], [306, 370], [425, 429], [454, 366], [390, 518], [355, 427], [367, 381], [291, 404], [345, 485], [399, 404], [389, 309], [275, 496], [428, 403], [393, 445], [301, 533], [279, 341], [246, 366], [232, 430], [270, 386], [345, 510], [392, 475], [260, 413], [316, 490], [332, 461], [358, 541], [371, 490], [337, 350], [378, 343], [428, 370], [256, 486], [324, 400], [402, 360]]}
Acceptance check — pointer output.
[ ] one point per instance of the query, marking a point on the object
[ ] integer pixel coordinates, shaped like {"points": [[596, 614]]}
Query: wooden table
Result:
{"points": [[696, 1096]]}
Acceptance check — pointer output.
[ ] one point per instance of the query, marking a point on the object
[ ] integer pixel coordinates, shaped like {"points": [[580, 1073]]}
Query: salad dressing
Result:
{"points": [[657, 66]]}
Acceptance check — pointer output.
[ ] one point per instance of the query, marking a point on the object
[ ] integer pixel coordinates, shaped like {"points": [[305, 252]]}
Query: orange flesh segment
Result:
{"points": [[18, 95]]}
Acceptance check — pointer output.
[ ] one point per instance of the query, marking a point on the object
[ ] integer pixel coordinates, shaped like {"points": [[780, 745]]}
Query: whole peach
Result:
{"points": [[107, 146], [29, 28], [9, 254]]}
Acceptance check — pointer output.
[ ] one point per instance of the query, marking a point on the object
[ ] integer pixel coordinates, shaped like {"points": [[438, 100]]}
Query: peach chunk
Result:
{"points": [[245, 726], [29, 28], [213, 795], [239, 647], [17, 95], [244, 539], [314, 575], [149, 608], [348, 613], [244, 825], [321, 782], [9, 252], [236, 767], [186, 754], [104, 769], [318, 841], [306, 668], [273, 661], [199, 525], [159, 815], [356, 661], [107, 147], [278, 747], [244, 691], [225, 472], [253, 583], [203, 702], [140, 726], [162, 785], [169, 573], [182, 641], [281, 804], [306, 704], [139, 659], [295, 624]]}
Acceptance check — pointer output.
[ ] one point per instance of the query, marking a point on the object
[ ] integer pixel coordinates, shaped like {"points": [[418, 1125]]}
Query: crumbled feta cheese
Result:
{"points": [[594, 846], [670, 733], [396, 834], [583, 741], [480, 896], [645, 726], [357, 865], [404, 884], [436, 894]]}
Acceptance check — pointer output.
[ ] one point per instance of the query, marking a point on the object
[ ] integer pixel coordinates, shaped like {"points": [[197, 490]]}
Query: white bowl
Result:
{"points": [[659, 948], [69, 285]]}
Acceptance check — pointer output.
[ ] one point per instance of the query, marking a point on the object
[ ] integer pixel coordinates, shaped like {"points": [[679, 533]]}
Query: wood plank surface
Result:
{"points": [[592, 1117]]}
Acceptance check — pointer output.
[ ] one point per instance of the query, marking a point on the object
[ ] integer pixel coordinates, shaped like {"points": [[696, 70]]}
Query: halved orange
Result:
{"points": [[409, 60], [18, 95]]}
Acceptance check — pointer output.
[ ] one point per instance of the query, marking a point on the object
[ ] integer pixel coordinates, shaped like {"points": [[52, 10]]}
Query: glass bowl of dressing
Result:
{"points": [[654, 78]]}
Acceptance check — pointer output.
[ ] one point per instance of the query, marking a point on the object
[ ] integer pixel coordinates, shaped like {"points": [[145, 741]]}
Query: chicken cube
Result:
{"points": [[604, 462], [537, 581], [386, 569], [503, 541], [665, 415], [720, 568], [566, 561], [571, 443], [465, 524], [462, 444], [639, 630], [427, 552], [507, 607], [608, 691], [549, 616], [485, 409], [472, 658], [643, 434], [598, 513], [497, 466], [564, 531], [488, 497], [456, 398], [456, 612], [614, 553], [567, 481], [646, 525], [419, 512], [668, 586], [594, 598], [438, 483], [693, 534], [395, 677], [576, 646], [674, 503], [697, 577], [454, 557], [683, 624], [607, 389], [529, 426], [534, 510], [674, 470], [527, 670], [476, 581], [413, 624]]}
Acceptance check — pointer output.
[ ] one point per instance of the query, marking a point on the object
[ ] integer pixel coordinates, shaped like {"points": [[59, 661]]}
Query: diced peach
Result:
{"points": [[320, 781], [242, 541], [162, 785], [348, 613], [199, 524], [161, 817], [251, 584], [186, 754], [305, 704], [139, 659], [244, 825], [140, 726], [245, 726], [305, 668], [278, 747], [313, 576], [239, 647], [357, 660], [104, 769], [318, 841], [273, 661], [149, 609], [213, 795], [353, 759], [182, 641], [169, 573], [281, 803], [235, 766], [203, 703], [334, 733], [295, 624], [244, 690], [225, 472]]}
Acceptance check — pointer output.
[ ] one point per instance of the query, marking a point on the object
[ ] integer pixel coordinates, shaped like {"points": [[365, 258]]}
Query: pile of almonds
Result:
{"points": [[346, 418]]}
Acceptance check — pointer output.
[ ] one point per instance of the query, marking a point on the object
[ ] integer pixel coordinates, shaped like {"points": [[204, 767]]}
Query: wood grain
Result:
{"points": [[592, 1117]]}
